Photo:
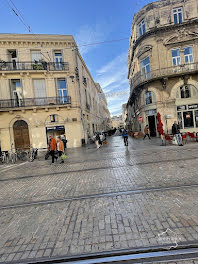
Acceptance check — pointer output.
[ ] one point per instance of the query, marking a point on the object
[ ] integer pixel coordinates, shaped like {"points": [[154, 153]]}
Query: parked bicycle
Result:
{"points": [[33, 153]]}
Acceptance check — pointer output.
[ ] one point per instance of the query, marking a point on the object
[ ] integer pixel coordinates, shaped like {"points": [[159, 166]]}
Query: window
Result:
{"points": [[53, 118], [36, 55], [188, 119], [145, 66], [185, 91], [58, 58], [196, 118], [16, 92], [62, 90], [142, 28], [39, 91], [176, 57], [188, 55], [12, 58], [148, 98], [178, 15], [179, 118]]}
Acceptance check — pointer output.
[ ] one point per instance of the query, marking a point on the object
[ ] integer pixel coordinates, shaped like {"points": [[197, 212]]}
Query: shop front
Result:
{"points": [[54, 131], [152, 121], [187, 117]]}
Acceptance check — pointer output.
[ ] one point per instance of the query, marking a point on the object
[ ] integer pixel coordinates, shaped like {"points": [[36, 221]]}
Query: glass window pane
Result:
{"points": [[180, 18], [186, 58], [179, 119], [175, 52], [188, 119], [196, 118], [191, 58], [175, 19], [61, 84]]}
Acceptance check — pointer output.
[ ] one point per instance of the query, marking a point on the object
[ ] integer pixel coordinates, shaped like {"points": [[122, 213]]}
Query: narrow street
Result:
{"points": [[114, 198]]}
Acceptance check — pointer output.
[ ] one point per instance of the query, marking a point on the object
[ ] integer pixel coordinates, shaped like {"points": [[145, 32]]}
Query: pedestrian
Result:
{"points": [[125, 136], [52, 147], [63, 138], [60, 148], [98, 141], [176, 133], [146, 132]]}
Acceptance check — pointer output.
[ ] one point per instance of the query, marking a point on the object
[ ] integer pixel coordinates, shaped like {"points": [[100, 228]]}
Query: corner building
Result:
{"points": [[163, 66], [46, 89]]}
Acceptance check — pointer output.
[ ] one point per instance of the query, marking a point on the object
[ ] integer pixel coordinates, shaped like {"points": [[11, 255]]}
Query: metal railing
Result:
{"points": [[42, 101], [140, 79], [34, 66]]}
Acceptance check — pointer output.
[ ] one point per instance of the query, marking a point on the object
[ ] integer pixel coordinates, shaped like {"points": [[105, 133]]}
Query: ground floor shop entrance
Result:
{"points": [[152, 125], [21, 135], [55, 131]]}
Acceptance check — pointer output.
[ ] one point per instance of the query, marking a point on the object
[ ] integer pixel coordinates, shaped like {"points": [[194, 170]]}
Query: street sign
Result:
{"points": [[140, 118]]}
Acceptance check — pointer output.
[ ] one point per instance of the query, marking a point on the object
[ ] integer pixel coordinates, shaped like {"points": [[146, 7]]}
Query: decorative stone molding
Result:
{"points": [[143, 50], [181, 35]]}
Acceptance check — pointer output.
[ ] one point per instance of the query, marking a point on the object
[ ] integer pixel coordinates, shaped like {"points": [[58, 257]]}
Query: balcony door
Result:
{"points": [[58, 58], [12, 59], [16, 92], [62, 90], [40, 91]]}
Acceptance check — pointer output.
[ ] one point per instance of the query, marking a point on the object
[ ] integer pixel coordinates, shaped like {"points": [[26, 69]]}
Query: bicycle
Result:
{"points": [[22, 155], [33, 153]]}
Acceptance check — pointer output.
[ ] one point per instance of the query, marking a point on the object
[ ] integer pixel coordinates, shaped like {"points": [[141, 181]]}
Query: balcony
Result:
{"points": [[141, 79], [34, 66], [29, 102]]}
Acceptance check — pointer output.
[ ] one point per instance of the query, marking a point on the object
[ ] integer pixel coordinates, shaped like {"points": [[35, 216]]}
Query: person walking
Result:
{"points": [[63, 138], [176, 133], [60, 148], [52, 147], [98, 141], [146, 132], [125, 136]]}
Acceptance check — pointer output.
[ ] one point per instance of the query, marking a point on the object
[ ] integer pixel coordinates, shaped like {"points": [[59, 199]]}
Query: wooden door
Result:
{"points": [[21, 135]]}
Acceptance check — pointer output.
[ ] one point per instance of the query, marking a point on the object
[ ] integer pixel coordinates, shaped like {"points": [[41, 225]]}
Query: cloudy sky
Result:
{"points": [[89, 21]]}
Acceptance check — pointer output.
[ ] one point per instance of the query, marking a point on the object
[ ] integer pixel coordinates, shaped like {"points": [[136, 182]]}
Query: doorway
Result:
{"points": [[152, 125], [21, 135]]}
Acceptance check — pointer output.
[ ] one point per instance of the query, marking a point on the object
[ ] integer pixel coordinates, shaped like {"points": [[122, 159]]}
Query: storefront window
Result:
{"points": [[196, 118], [179, 118], [188, 119]]}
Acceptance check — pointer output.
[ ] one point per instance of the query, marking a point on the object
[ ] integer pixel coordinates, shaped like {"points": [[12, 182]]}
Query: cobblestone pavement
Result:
{"points": [[143, 196]]}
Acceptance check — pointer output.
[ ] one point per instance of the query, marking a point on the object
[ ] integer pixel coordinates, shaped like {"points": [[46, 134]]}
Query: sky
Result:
{"points": [[89, 21]]}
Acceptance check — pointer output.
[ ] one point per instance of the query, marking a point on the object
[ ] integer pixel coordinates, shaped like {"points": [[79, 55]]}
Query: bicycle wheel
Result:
{"points": [[23, 156]]}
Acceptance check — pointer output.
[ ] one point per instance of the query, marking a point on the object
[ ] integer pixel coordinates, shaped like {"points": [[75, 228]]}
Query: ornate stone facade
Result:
{"points": [[163, 66]]}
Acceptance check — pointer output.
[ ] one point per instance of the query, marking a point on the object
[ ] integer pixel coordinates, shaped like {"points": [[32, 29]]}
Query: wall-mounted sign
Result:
{"points": [[181, 107], [140, 118], [187, 115], [193, 106], [55, 128]]}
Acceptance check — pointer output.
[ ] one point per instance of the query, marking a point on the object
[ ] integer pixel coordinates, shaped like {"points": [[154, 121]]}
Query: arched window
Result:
{"points": [[187, 91]]}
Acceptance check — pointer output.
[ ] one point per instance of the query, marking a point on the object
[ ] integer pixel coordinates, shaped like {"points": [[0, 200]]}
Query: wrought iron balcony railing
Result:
{"points": [[43, 101], [34, 66], [140, 79]]}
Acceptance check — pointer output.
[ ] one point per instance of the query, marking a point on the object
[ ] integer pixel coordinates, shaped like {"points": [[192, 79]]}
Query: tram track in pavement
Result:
{"points": [[94, 169], [97, 196], [183, 252]]}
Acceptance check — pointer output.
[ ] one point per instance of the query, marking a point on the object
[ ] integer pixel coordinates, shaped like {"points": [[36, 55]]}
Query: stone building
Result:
{"points": [[117, 121], [124, 115], [46, 88], [163, 66]]}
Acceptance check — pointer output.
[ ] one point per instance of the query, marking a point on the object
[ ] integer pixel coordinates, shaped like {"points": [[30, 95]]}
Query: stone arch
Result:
{"points": [[174, 90]]}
